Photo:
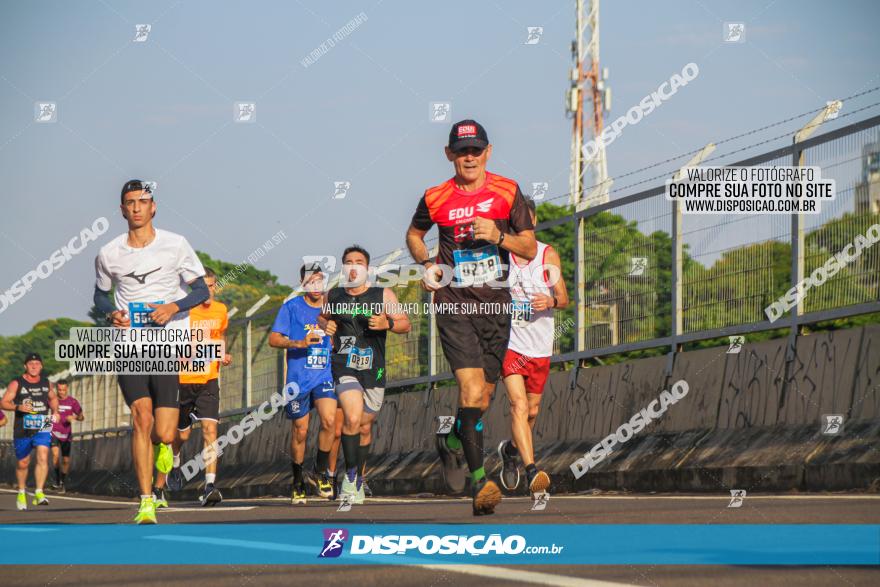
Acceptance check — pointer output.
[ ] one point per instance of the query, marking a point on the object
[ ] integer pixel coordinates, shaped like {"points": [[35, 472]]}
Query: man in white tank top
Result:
{"points": [[537, 289]]}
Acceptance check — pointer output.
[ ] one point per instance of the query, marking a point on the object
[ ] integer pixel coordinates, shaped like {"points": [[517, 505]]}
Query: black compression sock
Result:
{"points": [[471, 434], [350, 448], [322, 461], [297, 474]]}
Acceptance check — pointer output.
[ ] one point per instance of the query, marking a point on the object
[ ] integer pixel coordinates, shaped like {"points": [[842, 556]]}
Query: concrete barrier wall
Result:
{"points": [[750, 420]]}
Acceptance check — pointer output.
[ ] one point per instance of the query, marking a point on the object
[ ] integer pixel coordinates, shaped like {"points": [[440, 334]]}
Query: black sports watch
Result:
{"points": [[390, 323]]}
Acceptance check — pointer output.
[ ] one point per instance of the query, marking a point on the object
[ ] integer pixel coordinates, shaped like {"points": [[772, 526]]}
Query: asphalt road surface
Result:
{"points": [[595, 509]]}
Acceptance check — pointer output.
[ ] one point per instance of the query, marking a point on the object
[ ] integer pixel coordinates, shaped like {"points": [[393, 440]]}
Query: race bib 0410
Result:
{"points": [[477, 266]]}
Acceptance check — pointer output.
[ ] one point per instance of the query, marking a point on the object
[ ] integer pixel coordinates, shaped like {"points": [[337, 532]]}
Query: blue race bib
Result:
{"points": [[360, 359], [521, 313], [140, 314], [33, 421], [317, 358], [475, 267]]}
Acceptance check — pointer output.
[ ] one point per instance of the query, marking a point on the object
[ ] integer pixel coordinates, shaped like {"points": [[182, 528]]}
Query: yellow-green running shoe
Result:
{"points": [[21, 501], [159, 498], [164, 457], [40, 498], [298, 495], [147, 512]]}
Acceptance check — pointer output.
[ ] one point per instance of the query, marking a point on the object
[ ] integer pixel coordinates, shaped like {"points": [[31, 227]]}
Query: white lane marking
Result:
{"points": [[257, 545], [523, 576], [479, 570], [579, 497], [55, 496], [427, 500], [234, 508]]}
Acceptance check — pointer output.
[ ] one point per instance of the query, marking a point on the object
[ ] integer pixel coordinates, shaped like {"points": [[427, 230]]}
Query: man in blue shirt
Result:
{"points": [[309, 378]]}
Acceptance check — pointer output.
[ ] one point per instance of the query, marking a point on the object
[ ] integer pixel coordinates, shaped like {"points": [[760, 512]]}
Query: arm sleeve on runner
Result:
{"points": [[103, 301], [198, 294], [422, 218]]}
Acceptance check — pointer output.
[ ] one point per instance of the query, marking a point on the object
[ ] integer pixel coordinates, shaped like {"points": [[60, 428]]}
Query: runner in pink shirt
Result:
{"points": [[69, 411]]}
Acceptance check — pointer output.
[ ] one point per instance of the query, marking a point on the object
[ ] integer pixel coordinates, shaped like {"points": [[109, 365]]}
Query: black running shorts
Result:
{"points": [[162, 389], [475, 340], [198, 401], [64, 445]]}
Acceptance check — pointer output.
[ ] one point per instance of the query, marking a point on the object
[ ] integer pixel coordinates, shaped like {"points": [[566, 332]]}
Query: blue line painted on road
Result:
{"points": [[563, 544]]}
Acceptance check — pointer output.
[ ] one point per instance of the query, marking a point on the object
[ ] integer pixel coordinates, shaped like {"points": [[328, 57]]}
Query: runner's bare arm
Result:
{"points": [[53, 403], [279, 341], [401, 320], [522, 243], [415, 242], [560, 293], [8, 401], [325, 319]]}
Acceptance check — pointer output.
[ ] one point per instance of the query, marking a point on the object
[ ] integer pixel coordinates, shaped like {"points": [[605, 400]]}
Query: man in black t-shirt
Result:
{"points": [[358, 317]]}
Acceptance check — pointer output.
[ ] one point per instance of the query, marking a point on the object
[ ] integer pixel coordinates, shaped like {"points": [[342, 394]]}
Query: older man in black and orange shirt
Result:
{"points": [[481, 218]]}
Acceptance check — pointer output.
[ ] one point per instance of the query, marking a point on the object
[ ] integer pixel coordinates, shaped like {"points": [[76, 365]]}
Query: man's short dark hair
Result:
{"points": [[356, 249], [210, 273], [134, 185], [313, 267], [63, 382]]}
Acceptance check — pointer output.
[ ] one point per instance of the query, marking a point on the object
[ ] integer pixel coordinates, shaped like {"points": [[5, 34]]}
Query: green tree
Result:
{"points": [[40, 339]]}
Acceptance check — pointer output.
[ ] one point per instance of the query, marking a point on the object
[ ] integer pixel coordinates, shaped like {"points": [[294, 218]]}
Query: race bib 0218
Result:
{"points": [[477, 266]]}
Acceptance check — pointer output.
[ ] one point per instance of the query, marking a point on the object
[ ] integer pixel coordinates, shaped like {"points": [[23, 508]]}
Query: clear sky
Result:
{"points": [[163, 109]]}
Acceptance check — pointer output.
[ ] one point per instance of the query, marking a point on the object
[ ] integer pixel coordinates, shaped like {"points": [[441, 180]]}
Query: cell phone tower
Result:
{"points": [[589, 183]]}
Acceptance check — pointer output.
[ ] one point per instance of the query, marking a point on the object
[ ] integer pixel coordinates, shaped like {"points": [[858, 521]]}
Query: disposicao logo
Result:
{"points": [[334, 542]]}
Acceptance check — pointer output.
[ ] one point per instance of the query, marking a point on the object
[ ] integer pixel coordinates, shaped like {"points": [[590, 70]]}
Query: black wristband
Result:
{"points": [[555, 302], [500, 240], [390, 323]]}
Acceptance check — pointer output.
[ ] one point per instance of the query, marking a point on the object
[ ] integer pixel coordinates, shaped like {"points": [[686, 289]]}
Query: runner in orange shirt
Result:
{"points": [[200, 399]]}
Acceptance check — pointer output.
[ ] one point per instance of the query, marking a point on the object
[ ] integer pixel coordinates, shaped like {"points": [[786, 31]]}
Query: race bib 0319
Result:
{"points": [[360, 359]]}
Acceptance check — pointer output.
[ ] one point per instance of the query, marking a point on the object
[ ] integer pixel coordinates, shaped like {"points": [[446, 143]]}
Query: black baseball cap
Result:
{"points": [[33, 357], [467, 133], [133, 185]]}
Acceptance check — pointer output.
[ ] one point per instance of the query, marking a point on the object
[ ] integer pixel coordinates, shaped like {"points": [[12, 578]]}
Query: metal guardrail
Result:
{"points": [[705, 277]]}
